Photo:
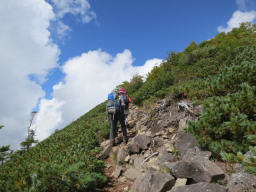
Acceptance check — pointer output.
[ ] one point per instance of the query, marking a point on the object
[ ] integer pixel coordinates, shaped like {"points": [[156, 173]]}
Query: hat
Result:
{"points": [[121, 90]]}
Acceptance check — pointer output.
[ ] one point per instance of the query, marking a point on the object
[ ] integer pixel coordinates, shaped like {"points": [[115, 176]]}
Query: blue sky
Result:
{"points": [[148, 28], [62, 57]]}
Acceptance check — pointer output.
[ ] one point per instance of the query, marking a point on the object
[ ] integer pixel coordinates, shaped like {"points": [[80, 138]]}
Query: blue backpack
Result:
{"points": [[112, 105]]}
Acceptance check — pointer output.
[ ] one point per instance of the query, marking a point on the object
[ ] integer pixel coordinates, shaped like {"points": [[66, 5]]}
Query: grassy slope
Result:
{"points": [[66, 161]]}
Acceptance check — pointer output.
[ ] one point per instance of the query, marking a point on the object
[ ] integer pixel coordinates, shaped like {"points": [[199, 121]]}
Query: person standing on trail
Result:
{"points": [[115, 107], [127, 101]]}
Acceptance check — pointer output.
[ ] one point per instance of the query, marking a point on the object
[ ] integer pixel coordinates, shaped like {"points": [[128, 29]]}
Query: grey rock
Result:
{"points": [[138, 162], [122, 153], [133, 148], [170, 165], [242, 182], [143, 141], [118, 171], [199, 171], [132, 173], [184, 142], [200, 187], [157, 142], [107, 148], [165, 156], [195, 154], [153, 181]]}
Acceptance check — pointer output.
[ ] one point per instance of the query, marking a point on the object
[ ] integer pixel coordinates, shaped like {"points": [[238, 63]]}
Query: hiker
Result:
{"points": [[127, 102], [115, 106]]}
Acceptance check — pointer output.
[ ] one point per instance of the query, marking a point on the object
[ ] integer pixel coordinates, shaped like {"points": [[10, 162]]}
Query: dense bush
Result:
{"points": [[228, 124]]}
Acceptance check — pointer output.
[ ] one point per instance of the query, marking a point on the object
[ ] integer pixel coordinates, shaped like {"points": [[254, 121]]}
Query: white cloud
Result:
{"points": [[237, 18], [79, 8], [148, 66], [88, 80], [25, 49], [62, 29], [49, 109]]}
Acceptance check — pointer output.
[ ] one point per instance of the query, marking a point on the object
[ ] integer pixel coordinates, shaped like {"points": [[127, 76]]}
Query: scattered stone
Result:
{"points": [[153, 181], [152, 163], [164, 156], [184, 142], [152, 155], [241, 182], [157, 142], [107, 148], [200, 187], [122, 153], [170, 130], [127, 159], [117, 172]]}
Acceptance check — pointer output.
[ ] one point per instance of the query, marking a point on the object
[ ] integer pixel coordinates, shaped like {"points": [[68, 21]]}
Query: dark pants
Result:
{"points": [[113, 119]]}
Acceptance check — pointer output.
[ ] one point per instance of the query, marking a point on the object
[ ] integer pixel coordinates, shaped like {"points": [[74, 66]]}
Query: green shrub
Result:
{"points": [[249, 160]]}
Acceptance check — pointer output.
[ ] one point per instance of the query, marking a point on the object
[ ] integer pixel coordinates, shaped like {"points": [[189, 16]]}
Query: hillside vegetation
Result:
{"points": [[66, 161], [219, 73]]}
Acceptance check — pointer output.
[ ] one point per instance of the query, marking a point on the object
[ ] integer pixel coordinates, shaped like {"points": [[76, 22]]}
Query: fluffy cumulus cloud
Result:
{"points": [[88, 80], [25, 50], [237, 18]]}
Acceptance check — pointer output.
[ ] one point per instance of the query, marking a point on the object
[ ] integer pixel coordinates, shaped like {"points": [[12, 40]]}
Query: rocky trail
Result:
{"points": [[161, 157]]}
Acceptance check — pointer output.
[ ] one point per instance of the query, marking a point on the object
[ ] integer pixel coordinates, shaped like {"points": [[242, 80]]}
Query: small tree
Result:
{"points": [[4, 151], [31, 135]]}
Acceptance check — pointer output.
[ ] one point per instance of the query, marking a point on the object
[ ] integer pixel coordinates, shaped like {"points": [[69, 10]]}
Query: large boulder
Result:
{"points": [[199, 171], [153, 181], [140, 142], [241, 182], [184, 142], [195, 164], [200, 187], [143, 141]]}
